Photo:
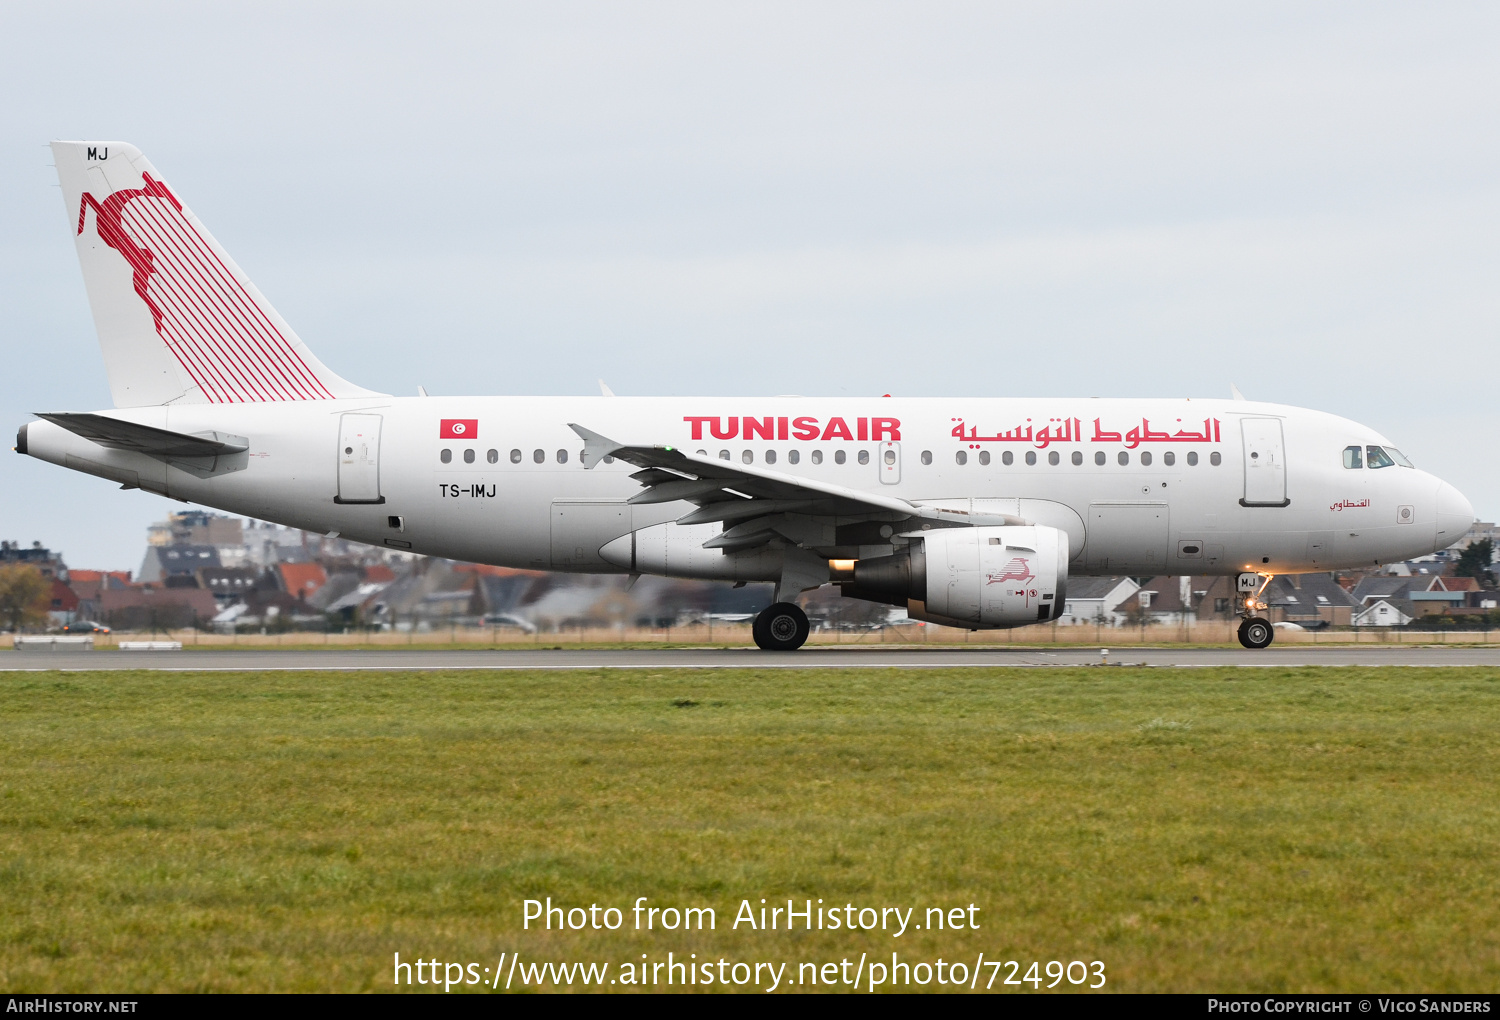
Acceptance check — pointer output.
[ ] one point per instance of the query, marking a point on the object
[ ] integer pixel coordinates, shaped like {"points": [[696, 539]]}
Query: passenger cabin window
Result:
{"points": [[1377, 457], [1030, 457], [723, 454], [817, 456], [1123, 458], [469, 456], [793, 456], [1053, 458], [1169, 458], [747, 457], [864, 456], [839, 456], [515, 456], [1353, 457], [446, 456], [926, 456], [770, 456], [1077, 457], [1192, 458], [1215, 458], [493, 456], [984, 457], [1099, 458], [1007, 458], [562, 456], [961, 457], [1145, 458], [540, 456]]}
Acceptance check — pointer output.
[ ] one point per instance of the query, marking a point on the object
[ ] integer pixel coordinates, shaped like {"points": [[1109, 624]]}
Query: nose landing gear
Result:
{"points": [[781, 627], [1255, 631]]}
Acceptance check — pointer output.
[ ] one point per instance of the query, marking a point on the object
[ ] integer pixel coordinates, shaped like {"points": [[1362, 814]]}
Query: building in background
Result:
{"points": [[1097, 600], [177, 564], [50, 564]]}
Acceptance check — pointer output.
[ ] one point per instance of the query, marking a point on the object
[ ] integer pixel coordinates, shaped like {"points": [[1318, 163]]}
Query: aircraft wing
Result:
{"points": [[154, 442], [739, 494]]}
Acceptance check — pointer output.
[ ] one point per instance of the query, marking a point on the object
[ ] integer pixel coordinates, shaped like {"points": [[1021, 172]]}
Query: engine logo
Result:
{"points": [[1018, 569]]}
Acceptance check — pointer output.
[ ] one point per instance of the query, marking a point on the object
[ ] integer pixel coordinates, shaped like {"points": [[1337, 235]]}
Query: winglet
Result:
{"points": [[595, 446]]}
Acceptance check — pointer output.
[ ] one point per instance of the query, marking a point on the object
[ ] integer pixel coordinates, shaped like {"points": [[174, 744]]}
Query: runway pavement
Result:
{"points": [[726, 658]]}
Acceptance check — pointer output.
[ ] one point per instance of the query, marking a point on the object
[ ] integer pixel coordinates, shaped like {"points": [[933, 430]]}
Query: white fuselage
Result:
{"points": [[1182, 512]]}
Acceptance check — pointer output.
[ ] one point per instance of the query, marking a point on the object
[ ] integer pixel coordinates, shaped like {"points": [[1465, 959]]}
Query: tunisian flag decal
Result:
{"points": [[458, 428]]}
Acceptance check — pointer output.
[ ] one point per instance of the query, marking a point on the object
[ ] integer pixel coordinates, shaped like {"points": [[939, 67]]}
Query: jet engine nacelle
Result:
{"points": [[988, 578]]}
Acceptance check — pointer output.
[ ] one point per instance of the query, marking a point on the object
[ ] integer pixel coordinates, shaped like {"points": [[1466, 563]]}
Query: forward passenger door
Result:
{"points": [[1265, 463]]}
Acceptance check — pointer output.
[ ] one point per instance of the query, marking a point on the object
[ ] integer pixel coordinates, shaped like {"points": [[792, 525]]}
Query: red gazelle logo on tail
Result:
{"points": [[214, 327]]}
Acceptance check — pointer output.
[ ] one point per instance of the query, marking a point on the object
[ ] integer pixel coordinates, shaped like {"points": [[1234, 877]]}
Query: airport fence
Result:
{"points": [[738, 634]]}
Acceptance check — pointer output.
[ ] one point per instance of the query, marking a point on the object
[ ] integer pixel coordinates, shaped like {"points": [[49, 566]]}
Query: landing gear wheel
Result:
{"points": [[781, 627], [1256, 632]]}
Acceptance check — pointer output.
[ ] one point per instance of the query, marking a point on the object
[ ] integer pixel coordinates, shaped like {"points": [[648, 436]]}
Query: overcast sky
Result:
{"points": [[995, 199]]}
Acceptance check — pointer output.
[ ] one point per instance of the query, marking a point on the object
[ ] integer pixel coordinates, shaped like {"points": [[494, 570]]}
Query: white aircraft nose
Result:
{"points": [[1454, 515]]}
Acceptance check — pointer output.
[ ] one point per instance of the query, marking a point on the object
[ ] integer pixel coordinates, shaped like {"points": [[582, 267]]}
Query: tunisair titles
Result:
{"points": [[1057, 430]]}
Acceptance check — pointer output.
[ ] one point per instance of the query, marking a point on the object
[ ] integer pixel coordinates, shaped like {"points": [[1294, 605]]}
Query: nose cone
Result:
{"points": [[1454, 516]]}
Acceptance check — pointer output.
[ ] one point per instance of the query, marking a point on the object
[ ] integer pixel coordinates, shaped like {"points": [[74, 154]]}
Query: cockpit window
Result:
{"points": [[1378, 458], [1398, 456], [1353, 457]]}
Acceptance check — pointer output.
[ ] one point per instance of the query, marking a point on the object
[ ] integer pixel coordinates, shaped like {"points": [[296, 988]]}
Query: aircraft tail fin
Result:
{"points": [[178, 321]]}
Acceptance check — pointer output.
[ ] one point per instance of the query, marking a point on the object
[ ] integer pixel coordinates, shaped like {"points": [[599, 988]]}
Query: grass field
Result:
{"points": [[1234, 830]]}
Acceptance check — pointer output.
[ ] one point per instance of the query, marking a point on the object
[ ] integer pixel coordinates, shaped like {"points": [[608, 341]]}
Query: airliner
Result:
{"points": [[967, 512]]}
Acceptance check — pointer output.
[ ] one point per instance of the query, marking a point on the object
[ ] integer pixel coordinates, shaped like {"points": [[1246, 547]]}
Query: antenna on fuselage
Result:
{"points": [[1234, 391]]}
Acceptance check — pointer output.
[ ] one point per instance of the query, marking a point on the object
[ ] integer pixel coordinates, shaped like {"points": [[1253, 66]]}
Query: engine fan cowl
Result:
{"points": [[978, 578]]}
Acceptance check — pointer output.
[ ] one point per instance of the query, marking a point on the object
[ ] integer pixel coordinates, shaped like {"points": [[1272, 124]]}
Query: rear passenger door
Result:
{"points": [[359, 459]]}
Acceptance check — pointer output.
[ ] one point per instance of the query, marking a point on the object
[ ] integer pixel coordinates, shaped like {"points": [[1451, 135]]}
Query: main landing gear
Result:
{"points": [[1255, 631], [781, 627]]}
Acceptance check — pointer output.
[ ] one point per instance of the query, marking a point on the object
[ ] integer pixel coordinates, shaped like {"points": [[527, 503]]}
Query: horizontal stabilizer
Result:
{"points": [[126, 435]]}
